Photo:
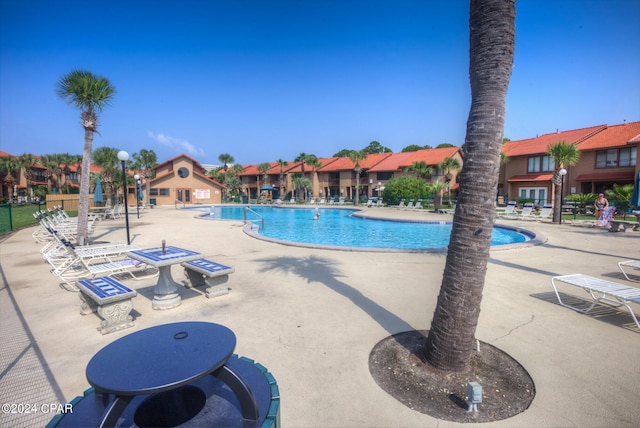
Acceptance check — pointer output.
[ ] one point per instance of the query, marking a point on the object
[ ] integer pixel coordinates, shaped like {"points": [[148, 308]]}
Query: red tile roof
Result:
{"points": [[394, 162], [540, 145], [612, 136], [531, 177], [431, 156], [345, 164]]}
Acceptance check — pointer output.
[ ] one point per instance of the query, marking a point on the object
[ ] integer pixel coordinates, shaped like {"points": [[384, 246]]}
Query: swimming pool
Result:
{"points": [[338, 227]]}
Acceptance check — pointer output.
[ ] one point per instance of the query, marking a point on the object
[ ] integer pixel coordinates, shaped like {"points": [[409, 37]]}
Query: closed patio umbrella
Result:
{"points": [[97, 192], [635, 196]]}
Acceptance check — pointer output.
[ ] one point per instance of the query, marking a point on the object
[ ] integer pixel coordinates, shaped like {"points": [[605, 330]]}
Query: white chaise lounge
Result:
{"points": [[601, 291], [633, 264]]}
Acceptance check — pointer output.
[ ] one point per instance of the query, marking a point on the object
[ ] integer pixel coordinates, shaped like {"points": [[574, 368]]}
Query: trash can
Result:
{"points": [[152, 201]]}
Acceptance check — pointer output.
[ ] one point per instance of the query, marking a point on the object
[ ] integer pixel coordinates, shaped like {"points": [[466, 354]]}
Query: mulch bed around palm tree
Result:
{"points": [[397, 365]]}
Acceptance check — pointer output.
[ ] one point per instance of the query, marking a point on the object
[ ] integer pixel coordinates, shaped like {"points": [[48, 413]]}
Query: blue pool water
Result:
{"points": [[337, 227]]}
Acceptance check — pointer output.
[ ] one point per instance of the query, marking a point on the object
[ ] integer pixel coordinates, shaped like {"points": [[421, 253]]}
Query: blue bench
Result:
{"points": [[205, 272], [111, 299]]}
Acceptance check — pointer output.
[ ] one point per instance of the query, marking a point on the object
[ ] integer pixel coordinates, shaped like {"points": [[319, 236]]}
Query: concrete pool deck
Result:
{"points": [[313, 316]]}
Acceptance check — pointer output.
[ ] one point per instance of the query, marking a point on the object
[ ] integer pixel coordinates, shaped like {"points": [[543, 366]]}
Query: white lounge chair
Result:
{"points": [[546, 211], [601, 291], [401, 204], [634, 264], [418, 205], [410, 205], [527, 211], [510, 209]]}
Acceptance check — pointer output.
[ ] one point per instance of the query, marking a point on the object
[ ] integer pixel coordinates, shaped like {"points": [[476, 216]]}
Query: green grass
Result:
{"points": [[21, 216]]}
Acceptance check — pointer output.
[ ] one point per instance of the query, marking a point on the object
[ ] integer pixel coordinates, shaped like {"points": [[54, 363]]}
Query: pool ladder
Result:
{"points": [[248, 209]]}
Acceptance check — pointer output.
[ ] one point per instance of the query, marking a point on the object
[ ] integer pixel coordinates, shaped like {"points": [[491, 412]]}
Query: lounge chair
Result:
{"points": [[634, 264], [369, 203], [379, 203], [546, 211], [418, 205], [510, 209], [601, 291], [527, 211], [410, 205], [401, 204], [323, 201]]}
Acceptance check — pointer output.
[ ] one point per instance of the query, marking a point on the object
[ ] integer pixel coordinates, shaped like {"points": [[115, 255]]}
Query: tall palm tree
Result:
{"points": [[564, 154], [492, 39], [356, 156], [90, 93], [107, 159], [314, 163], [226, 159], [282, 164], [145, 162], [301, 184], [447, 166]]}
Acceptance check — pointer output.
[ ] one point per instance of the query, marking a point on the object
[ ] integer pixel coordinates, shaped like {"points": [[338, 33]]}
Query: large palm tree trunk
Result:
{"points": [[83, 206], [452, 334]]}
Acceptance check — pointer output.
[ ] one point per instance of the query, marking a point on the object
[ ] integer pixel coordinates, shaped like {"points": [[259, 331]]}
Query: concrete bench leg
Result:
{"points": [[115, 315], [215, 286]]}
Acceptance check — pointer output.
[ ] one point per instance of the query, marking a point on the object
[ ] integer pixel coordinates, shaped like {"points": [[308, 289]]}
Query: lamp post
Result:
{"points": [[124, 157], [137, 178], [562, 173]]}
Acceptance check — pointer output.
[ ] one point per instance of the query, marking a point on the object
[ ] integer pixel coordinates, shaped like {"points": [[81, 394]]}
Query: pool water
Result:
{"points": [[338, 228]]}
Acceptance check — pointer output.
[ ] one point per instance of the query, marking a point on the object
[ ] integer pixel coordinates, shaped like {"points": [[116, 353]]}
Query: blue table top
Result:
{"points": [[172, 255], [160, 358], [105, 287]]}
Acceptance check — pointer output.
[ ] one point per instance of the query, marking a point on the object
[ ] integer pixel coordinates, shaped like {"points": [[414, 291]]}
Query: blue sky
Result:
{"points": [[263, 80]]}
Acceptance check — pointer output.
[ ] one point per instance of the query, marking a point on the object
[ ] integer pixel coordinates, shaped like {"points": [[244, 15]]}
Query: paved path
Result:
{"points": [[313, 316]]}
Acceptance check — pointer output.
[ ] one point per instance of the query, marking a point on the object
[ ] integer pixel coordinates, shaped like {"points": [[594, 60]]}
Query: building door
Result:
{"points": [[184, 195], [537, 194]]}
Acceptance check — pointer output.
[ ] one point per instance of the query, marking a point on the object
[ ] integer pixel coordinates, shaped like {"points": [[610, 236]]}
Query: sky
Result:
{"points": [[265, 80]]}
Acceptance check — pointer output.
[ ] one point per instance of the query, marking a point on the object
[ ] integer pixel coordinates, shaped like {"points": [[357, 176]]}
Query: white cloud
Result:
{"points": [[182, 146]]}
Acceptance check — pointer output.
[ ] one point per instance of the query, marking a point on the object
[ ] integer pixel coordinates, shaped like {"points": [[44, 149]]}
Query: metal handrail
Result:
{"points": [[248, 209], [176, 202]]}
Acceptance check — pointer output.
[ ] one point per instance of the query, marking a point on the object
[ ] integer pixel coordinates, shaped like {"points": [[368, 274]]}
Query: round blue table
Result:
{"points": [[164, 358]]}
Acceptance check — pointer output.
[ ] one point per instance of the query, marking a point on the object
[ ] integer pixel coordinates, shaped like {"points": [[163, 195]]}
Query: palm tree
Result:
{"points": [[301, 184], [90, 93], [107, 159], [452, 334], [10, 166], [356, 156], [420, 169], [145, 162], [263, 168], [436, 188], [563, 154], [27, 163], [314, 163], [226, 159], [281, 163], [54, 164], [446, 166]]}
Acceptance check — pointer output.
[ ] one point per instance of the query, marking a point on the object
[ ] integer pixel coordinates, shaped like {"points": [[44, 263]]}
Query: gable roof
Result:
{"points": [[612, 136], [196, 164], [540, 145], [431, 156]]}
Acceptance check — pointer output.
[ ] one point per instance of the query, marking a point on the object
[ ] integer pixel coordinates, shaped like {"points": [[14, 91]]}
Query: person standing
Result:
{"points": [[600, 204]]}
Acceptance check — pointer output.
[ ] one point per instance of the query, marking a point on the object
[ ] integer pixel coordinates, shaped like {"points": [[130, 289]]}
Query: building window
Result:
{"points": [[616, 157], [384, 176], [540, 163], [164, 192]]}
